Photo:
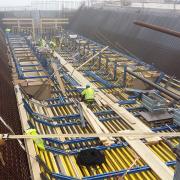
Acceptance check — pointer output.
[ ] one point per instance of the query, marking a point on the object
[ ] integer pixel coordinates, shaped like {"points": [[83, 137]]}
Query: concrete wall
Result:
{"points": [[117, 24]]}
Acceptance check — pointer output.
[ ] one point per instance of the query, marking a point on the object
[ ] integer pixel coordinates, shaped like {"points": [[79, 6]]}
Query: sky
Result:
{"points": [[10, 3], [5, 3]]}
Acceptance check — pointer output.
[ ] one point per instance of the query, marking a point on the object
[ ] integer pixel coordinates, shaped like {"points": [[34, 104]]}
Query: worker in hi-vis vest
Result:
{"points": [[42, 43], [52, 45], [7, 30], [38, 141], [88, 94]]}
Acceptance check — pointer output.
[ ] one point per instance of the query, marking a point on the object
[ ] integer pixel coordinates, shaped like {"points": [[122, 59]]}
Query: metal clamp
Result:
{"points": [[5, 136]]}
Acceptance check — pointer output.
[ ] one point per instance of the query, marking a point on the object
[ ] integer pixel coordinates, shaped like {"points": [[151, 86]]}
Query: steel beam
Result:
{"points": [[158, 28], [156, 86]]}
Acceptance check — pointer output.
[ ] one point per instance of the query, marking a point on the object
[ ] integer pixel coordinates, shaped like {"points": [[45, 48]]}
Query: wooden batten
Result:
{"points": [[159, 167], [96, 124], [29, 145], [58, 77]]}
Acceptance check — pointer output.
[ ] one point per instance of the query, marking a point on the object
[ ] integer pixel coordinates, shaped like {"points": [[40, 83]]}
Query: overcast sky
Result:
{"points": [[10, 3], [6, 3]]}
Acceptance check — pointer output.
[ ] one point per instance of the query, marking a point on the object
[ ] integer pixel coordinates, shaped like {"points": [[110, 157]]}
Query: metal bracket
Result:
{"points": [[5, 136]]}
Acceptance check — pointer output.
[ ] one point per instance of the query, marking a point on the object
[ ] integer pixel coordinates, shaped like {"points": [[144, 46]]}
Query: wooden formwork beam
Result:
{"points": [[20, 22], [58, 77], [151, 159], [96, 124], [29, 145], [92, 57], [130, 134]]}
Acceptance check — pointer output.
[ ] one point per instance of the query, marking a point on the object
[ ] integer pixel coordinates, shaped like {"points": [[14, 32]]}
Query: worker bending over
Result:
{"points": [[87, 95]]}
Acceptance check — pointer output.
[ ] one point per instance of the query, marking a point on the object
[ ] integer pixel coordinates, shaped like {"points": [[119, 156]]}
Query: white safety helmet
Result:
{"points": [[88, 85]]}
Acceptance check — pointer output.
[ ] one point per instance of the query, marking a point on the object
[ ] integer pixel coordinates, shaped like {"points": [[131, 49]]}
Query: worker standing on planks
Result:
{"points": [[87, 94], [176, 150]]}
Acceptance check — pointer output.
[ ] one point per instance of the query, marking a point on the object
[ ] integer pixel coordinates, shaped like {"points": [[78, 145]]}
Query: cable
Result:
{"points": [[19, 141], [133, 163], [10, 129]]}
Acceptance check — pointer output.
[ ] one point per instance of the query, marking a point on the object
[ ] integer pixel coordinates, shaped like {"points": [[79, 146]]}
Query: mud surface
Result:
{"points": [[117, 26]]}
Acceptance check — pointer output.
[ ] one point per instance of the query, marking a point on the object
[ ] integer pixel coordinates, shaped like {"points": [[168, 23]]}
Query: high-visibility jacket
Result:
{"points": [[42, 43], [38, 141], [52, 44], [7, 30], [88, 93]]}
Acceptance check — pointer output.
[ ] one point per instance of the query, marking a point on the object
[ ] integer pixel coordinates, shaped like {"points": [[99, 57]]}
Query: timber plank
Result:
{"points": [[29, 145], [60, 82], [159, 167], [96, 124]]}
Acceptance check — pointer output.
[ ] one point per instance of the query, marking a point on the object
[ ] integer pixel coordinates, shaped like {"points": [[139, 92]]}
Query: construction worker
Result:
{"points": [[42, 43], [38, 141], [88, 94], [7, 31], [176, 150], [52, 45]]}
